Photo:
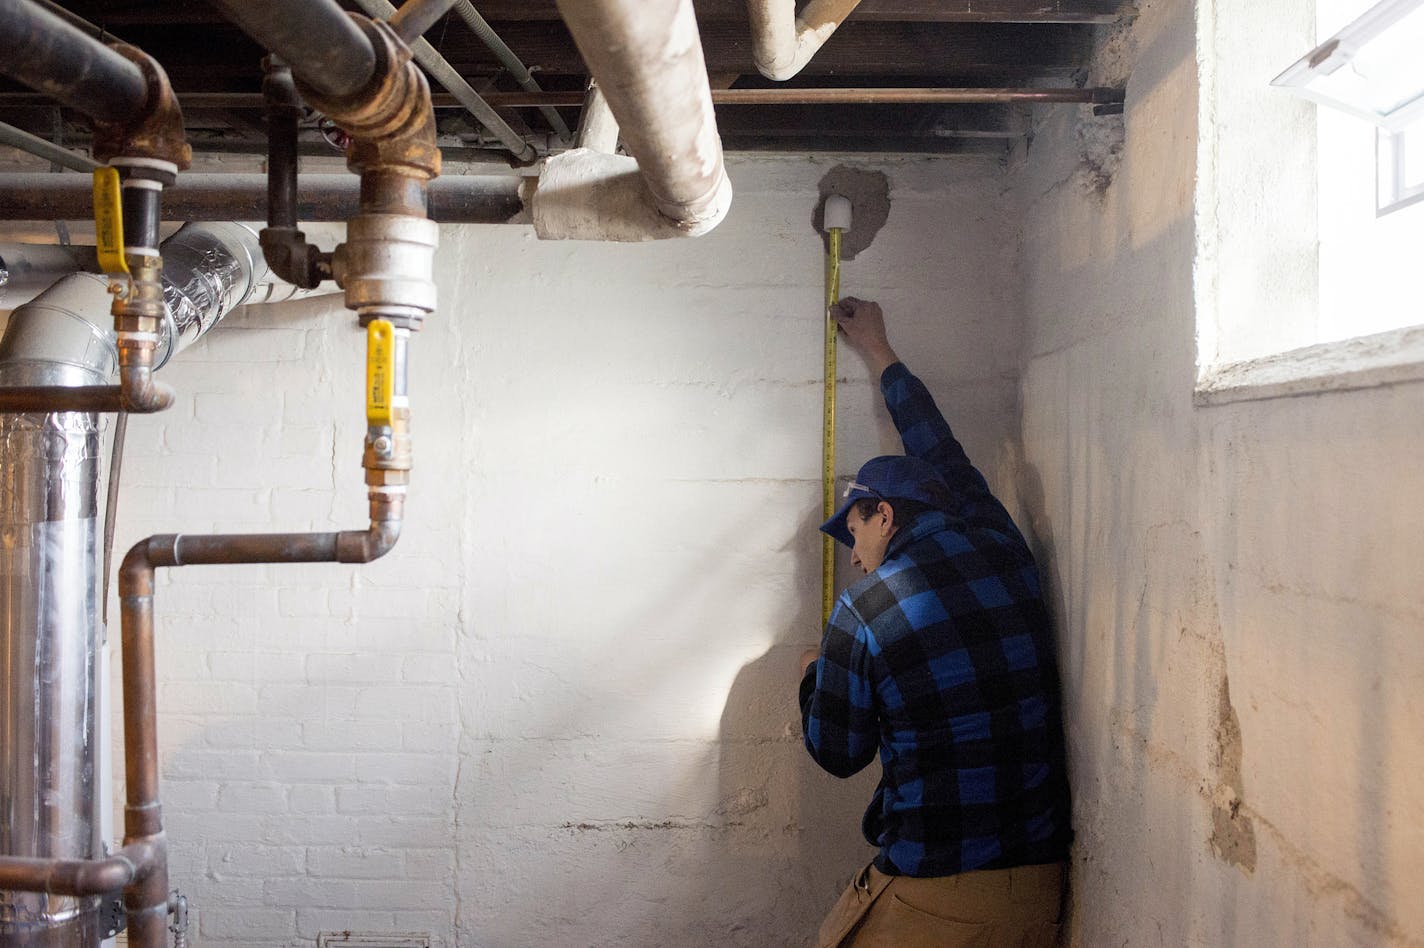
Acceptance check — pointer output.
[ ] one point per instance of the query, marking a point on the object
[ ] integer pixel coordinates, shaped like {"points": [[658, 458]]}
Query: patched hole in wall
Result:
{"points": [[373, 940], [1100, 143], [869, 196]]}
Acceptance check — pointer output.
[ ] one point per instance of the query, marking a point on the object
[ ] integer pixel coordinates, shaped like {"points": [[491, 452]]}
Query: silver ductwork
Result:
{"points": [[49, 609], [50, 580]]}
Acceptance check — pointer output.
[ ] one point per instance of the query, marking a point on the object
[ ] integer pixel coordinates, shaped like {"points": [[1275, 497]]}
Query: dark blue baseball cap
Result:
{"points": [[889, 477]]}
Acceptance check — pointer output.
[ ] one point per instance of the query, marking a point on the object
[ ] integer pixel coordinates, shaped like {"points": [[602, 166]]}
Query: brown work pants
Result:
{"points": [[993, 908]]}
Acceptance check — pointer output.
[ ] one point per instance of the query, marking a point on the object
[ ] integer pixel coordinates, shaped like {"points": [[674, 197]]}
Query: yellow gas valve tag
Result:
{"points": [[380, 371], [109, 220]]}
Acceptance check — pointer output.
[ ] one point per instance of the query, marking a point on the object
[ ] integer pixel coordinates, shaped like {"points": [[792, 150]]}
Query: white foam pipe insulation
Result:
{"points": [[646, 56], [782, 42]]}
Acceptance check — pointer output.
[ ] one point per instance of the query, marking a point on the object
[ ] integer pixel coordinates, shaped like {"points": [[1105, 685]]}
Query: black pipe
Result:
{"points": [[49, 55], [284, 246], [466, 199], [141, 215], [329, 52]]}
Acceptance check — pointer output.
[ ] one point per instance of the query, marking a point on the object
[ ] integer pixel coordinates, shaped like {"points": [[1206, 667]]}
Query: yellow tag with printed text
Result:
{"points": [[380, 371], [109, 220]]}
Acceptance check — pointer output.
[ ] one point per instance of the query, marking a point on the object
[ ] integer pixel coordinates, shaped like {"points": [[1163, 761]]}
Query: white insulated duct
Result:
{"points": [[782, 42], [646, 56]]}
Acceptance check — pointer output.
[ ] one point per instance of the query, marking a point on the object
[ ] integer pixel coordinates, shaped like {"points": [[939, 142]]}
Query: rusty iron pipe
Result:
{"points": [[51, 56]]}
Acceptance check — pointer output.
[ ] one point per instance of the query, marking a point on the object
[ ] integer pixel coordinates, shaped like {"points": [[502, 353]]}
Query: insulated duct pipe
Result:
{"points": [[782, 42], [646, 56]]}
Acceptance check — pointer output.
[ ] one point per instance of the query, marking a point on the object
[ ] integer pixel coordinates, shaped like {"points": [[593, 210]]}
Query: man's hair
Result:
{"points": [[906, 510]]}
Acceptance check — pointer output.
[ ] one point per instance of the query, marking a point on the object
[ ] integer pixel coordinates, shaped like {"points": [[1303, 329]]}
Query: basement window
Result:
{"points": [[1312, 212]]}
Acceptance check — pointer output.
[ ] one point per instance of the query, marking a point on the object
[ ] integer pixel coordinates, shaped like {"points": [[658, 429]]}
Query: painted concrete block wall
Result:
{"points": [[1236, 586], [562, 712]]}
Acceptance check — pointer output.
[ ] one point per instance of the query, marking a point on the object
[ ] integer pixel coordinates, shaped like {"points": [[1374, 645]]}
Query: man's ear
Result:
{"points": [[889, 513]]}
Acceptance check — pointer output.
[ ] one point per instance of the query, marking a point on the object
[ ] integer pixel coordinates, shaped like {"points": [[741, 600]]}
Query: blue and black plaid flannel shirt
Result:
{"points": [[942, 660]]}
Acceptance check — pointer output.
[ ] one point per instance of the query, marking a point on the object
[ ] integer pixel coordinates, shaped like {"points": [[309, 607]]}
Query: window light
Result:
{"points": [[1372, 68]]}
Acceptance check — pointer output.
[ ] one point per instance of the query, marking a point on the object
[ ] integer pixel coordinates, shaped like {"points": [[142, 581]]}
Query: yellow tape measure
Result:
{"points": [[828, 428], [380, 371], [109, 220]]}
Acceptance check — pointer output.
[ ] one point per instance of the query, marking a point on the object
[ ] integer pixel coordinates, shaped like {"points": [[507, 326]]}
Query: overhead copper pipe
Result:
{"points": [[78, 877], [777, 96]]}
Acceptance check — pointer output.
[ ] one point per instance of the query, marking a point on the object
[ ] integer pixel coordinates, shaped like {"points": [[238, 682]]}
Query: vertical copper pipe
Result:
{"points": [[146, 898]]}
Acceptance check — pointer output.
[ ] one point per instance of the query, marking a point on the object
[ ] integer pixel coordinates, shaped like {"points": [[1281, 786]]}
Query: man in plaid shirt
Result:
{"points": [[941, 661]]}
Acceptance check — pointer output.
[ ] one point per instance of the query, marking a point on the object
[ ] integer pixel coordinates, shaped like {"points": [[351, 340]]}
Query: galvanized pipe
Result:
{"points": [[467, 199], [23, 140], [49, 55], [507, 57], [326, 48]]}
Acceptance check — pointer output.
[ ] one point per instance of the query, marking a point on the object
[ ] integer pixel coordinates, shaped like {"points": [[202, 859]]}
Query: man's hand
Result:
{"points": [[863, 325], [808, 658]]}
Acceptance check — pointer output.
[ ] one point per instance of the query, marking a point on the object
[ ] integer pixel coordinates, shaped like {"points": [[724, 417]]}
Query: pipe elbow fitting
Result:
{"points": [[363, 546], [158, 132], [136, 571], [147, 398], [391, 121]]}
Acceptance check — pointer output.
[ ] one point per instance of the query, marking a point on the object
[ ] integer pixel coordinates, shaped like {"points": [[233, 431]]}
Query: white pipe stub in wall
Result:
{"points": [[837, 216]]}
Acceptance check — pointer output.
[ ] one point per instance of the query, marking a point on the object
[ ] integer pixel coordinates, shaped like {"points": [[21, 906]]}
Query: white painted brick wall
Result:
{"points": [[562, 711]]}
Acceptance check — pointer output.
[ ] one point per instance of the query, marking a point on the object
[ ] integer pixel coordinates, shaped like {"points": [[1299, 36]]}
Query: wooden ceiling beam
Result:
{"points": [[960, 51]]}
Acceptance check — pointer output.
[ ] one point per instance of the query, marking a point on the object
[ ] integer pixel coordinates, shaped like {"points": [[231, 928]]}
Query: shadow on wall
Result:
{"points": [[811, 818], [660, 839]]}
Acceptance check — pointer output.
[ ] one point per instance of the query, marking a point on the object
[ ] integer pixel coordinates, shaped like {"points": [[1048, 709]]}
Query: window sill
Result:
{"points": [[1387, 358]]}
